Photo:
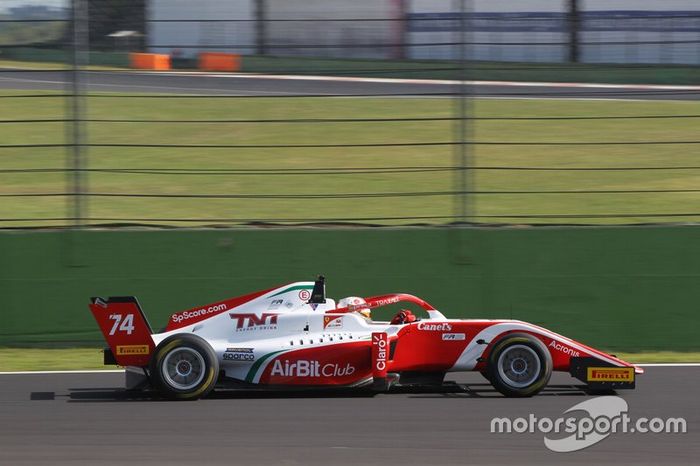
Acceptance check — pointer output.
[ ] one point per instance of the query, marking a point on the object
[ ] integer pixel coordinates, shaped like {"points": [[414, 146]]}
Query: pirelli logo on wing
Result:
{"points": [[610, 374], [132, 350]]}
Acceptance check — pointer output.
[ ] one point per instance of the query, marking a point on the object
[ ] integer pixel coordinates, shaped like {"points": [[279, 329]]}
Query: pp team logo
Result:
{"points": [[331, 322]]}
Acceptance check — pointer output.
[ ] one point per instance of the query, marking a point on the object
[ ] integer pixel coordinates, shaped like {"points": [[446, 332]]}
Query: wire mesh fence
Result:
{"points": [[397, 117]]}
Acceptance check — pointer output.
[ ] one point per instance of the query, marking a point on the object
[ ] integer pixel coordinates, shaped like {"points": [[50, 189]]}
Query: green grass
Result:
{"points": [[41, 359], [43, 65], [503, 71], [308, 183]]}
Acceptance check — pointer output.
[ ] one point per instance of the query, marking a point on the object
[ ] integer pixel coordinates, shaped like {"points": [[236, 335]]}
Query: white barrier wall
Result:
{"points": [[187, 38], [537, 30], [334, 22], [496, 23], [498, 30], [668, 21]]}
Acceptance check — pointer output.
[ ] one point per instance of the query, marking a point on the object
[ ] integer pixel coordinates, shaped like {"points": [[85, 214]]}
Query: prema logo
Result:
{"points": [[244, 321], [303, 368], [441, 327], [564, 349], [186, 315]]}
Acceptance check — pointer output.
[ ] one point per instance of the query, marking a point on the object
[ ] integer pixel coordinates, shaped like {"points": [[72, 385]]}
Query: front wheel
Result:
{"points": [[519, 365], [184, 367]]}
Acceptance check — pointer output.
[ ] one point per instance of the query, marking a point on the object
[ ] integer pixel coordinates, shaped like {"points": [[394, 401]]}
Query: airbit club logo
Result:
{"points": [[303, 368], [248, 322]]}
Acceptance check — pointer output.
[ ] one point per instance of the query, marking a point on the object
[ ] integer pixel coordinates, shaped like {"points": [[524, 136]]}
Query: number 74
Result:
{"points": [[127, 324]]}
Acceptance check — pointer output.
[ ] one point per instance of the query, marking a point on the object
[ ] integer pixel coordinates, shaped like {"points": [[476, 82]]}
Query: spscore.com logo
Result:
{"points": [[186, 315], [603, 416]]}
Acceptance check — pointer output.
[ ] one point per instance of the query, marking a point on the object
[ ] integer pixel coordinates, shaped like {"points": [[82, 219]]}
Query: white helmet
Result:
{"points": [[356, 304]]}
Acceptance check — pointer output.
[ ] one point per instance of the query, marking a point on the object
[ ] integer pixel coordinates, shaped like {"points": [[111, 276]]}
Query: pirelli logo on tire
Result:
{"points": [[610, 374], [132, 350]]}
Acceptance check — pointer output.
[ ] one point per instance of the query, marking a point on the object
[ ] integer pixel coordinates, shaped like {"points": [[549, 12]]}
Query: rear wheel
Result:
{"points": [[519, 365], [184, 367]]}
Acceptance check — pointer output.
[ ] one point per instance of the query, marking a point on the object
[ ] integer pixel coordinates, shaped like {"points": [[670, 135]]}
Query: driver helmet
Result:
{"points": [[356, 304]]}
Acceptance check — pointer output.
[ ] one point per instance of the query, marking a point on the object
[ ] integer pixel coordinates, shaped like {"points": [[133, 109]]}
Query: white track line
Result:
{"points": [[157, 88], [118, 371], [670, 364], [294, 77], [430, 82]]}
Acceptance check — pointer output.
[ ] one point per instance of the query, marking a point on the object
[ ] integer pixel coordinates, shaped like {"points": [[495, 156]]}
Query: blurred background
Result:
{"points": [[536, 159]]}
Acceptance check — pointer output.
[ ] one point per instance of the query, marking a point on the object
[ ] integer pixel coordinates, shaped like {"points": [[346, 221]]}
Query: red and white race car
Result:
{"points": [[294, 337]]}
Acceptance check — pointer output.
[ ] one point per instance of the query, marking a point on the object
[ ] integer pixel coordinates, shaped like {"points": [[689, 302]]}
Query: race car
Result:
{"points": [[293, 337]]}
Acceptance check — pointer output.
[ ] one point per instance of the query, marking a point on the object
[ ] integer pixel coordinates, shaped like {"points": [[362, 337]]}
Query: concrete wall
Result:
{"points": [[200, 35], [543, 22], [498, 28]]}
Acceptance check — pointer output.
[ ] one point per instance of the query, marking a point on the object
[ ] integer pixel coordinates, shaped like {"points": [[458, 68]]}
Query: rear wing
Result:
{"points": [[125, 329]]}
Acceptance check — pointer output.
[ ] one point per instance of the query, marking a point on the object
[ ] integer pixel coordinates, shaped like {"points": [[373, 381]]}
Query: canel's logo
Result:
{"points": [[302, 368], [441, 327], [244, 321]]}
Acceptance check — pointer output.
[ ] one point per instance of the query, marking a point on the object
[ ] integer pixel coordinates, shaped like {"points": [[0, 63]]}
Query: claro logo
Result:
{"points": [[441, 327], [304, 368], [244, 322], [380, 342]]}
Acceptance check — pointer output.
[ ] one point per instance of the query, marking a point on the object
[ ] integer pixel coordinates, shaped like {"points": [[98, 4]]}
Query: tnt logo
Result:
{"points": [[244, 322]]}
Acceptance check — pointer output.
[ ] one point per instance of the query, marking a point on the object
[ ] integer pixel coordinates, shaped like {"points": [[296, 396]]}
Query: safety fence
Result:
{"points": [[361, 141]]}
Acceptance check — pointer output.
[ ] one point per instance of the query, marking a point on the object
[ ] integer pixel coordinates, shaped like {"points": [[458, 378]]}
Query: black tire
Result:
{"points": [[519, 365], [184, 367]]}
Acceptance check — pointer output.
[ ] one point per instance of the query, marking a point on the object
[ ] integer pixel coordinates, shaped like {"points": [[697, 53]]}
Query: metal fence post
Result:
{"points": [[463, 183], [75, 137], [574, 27], [261, 27], [462, 209]]}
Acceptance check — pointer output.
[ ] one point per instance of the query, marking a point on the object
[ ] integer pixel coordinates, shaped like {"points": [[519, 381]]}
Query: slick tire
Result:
{"points": [[519, 365], [184, 367]]}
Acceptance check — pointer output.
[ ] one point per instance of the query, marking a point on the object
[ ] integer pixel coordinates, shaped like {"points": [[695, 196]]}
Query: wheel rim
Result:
{"points": [[183, 368], [519, 366]]}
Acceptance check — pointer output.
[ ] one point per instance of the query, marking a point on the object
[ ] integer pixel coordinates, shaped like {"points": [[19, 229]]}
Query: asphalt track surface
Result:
{"points": [[87, 419], [218, 84]]}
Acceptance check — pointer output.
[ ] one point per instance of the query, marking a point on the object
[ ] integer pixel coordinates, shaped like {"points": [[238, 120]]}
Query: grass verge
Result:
{"points": [[39, 359], [521, 146]]}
